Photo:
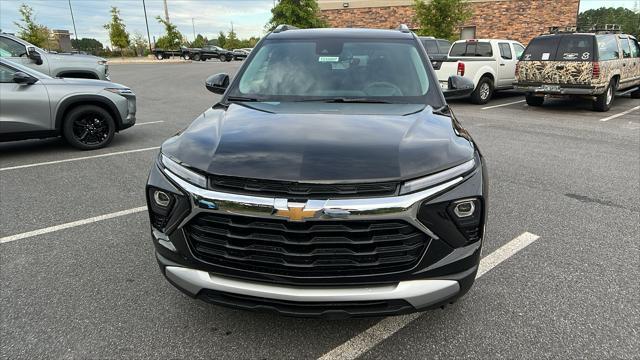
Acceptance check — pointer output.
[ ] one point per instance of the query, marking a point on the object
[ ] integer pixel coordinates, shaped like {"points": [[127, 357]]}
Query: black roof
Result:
{"points": [[340, 33]]}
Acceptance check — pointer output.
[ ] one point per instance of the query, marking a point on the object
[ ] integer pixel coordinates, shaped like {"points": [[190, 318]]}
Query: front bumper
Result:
{"points": [[445, 271]]}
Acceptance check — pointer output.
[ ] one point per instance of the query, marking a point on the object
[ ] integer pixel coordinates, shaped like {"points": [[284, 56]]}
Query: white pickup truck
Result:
{"points": [[489, 63]]}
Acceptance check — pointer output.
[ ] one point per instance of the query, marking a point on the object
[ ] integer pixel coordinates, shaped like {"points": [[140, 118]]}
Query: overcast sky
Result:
{"points": [[209, 16]]}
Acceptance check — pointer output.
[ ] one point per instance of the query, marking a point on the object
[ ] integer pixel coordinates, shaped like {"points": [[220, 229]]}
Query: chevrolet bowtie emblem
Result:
{"points": [[296, 212]]}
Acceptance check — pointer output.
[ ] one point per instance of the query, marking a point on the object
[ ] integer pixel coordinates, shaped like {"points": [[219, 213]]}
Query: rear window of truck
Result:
{"points": [[471, 48], [560, 48]]}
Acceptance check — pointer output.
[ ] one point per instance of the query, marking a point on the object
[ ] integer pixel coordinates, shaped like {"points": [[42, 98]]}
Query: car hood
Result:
{"points": [[82, 82], [322, 146], [76, 58]]}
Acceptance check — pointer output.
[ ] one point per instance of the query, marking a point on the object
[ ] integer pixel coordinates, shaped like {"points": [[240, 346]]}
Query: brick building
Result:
{"points": [[511, 19]]}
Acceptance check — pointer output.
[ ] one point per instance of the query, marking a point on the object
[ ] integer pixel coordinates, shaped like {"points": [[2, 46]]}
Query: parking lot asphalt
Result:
{"points": [[93, 290]]}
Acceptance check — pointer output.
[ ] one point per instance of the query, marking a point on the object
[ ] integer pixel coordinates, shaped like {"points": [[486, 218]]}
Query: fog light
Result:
{"points": [[464, 208], [161, 198]]}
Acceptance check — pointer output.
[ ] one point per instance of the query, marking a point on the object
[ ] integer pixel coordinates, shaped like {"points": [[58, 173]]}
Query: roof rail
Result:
{"points": [[562, 29], [404, 28], [284, 27], [607, 29]]}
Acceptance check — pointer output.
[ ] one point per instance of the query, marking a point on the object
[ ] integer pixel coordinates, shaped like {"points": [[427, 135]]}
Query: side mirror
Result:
{"points": [[458, 87], [23, 78], [217, 83], [34, 55]]}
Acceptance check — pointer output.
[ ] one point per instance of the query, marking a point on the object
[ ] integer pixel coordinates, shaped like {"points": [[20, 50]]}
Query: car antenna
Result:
{"points": [[284, 27]]}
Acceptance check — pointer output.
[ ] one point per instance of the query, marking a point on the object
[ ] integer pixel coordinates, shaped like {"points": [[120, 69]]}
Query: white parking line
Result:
{"points": [[371, 337], [621, 114], [149, 122], [78, 158], [507, 104], [50, 229]]}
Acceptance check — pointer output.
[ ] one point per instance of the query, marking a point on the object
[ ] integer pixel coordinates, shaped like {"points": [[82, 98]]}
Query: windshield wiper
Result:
{"points": [[241, 98], [349, 100]]}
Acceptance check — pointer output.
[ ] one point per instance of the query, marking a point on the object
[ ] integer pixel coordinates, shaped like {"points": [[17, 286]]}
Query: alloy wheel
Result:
{"points": [[91, 129]]}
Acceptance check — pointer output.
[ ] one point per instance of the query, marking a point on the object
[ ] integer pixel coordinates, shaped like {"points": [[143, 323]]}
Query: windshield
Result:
{"points": [[352, 70]]}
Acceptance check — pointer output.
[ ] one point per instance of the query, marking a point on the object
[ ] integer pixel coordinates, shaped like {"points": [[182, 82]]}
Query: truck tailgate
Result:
{"points": [[555, 72]]}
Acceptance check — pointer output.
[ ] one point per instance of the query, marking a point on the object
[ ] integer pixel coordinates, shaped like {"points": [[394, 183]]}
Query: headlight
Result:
{"points": [[184, 173], [102, 62], [120, 91], [437, 178]]}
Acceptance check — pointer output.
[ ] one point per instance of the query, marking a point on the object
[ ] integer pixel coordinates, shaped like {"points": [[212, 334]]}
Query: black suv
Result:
{"points": [[437, 50], [331, 180]]}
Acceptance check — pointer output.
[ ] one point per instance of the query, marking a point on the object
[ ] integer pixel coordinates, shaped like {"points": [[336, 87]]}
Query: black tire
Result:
{"points": [[603, 101], [203, 59], [196, 57], [534, 100], [483, 92], [223, 58], [159, 56], [187, 56], [229, 58], [88, 127]]}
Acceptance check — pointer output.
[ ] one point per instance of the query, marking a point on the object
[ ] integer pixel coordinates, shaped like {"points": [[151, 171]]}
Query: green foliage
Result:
{"points": [[628, 19], [139, 44], [232, 41], [118, 35], [300, 13], [199, 41], [172, 39], [440, 18], [222, 39], [89, 45], [29, 30]]}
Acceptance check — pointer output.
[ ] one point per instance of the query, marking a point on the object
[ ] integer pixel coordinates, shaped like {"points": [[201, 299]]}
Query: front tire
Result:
{"points": [[159, 56], [187, 56], [223, 58], [196, 57], [603, 101], [534, 100], [88, 127], [483, 92]]}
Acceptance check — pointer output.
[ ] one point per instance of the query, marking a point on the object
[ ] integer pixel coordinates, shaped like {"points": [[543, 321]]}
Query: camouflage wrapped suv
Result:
{"points": [[591, 65]]}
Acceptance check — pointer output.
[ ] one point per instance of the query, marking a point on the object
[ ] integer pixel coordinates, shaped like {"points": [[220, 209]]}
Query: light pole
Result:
{"points": [[194, 29], [147, 22], [75, 32]]}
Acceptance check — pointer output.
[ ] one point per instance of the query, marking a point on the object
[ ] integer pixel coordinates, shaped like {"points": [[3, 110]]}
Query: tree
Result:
{"points": [[29, 30], [626, 18], [118, 34], [232, 41], [300, 13], [172, 39], [139, 44], [440, 18], [87, 44], [199, 41], [222, 39]]}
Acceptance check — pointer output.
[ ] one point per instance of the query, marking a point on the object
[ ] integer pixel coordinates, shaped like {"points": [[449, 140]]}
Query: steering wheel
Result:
{"points": [[370, 89]]}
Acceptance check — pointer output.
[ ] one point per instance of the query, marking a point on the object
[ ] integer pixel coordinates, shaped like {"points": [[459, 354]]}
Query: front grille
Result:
{"points": [[288, 189], [306, 249]]}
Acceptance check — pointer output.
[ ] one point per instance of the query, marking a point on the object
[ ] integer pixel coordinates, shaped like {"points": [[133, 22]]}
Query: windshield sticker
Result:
{"points": [[569, 56], [545, 56], [527, 57], [585, 55], [328, 59]]}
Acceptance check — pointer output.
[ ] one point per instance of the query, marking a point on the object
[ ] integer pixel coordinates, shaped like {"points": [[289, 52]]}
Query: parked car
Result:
{"points": [[437, 49], [489, 63], [209, 52], [53, 64], [162, 54], [592, 65], [86, 113], [330, 180], [241, 54]]}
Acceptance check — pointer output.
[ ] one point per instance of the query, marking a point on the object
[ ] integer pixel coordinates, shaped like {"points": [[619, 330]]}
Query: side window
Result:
{"points": [[635, 48], [444, 46], [607, 48], [626, 49], [11, 48], [505, 51], [484, 49], [6, 74], [431, 46], [519, 49]]}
